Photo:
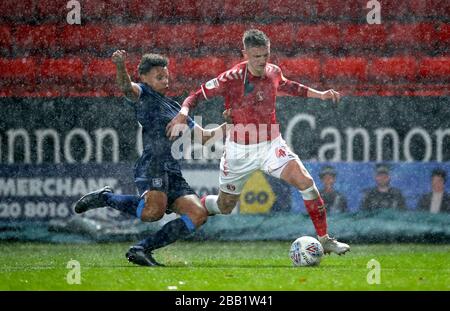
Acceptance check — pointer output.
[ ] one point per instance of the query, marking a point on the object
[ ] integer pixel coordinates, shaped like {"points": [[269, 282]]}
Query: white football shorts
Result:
{"points": [[239, 161]]}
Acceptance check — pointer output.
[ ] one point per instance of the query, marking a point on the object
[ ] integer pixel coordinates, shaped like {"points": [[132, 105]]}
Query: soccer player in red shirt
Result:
{"points": [[254, 141]]}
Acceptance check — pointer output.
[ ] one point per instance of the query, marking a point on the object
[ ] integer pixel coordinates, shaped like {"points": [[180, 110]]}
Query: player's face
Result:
{"points": [[158, 79], [257, 59]]}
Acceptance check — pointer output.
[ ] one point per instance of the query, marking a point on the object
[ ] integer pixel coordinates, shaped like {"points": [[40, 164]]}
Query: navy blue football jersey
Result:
{"points": [[154, 111]]}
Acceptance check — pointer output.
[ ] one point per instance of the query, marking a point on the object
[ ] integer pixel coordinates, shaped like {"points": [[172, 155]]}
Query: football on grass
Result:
{"points": [[306, 251]]}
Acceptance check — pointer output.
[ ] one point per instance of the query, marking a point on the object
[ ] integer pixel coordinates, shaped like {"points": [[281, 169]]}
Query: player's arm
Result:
{"points": [[177, 121], [213, 134], [190, 102], [216, 133], [129, 89], [208, 90], [325, 95], [292, 88]]}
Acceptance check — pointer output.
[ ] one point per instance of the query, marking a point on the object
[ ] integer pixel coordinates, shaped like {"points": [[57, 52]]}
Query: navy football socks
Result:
{"points": [[125, 203], [169, 233]]}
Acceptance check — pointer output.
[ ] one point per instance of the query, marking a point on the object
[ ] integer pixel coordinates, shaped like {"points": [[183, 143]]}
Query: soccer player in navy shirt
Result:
{"points": [[157, 174]]}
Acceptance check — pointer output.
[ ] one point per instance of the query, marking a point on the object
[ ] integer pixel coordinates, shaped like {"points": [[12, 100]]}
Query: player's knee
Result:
{"points": [[297, 175], [301, 181], [201, 216], [152, 213], [226, 206], [198, 215], [306, 182]]}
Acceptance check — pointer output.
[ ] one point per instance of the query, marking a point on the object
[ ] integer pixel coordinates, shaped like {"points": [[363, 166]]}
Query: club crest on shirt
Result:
{"points": [[157, 182], [212, 84]]}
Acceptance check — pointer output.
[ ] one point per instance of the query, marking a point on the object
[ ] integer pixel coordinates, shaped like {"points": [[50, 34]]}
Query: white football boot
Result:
{"points": [[331, 245]]}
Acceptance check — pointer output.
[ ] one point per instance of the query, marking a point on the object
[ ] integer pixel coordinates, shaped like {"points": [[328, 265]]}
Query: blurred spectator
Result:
{"points": [[437, 200], [335, 202], [383, 196]]}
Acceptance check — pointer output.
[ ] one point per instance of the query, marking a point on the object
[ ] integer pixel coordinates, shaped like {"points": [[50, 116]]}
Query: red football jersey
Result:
{"points": [[252, 99]]}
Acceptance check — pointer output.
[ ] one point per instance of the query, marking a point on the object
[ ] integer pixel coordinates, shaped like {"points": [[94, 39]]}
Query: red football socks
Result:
{"points": [[318, 215]]}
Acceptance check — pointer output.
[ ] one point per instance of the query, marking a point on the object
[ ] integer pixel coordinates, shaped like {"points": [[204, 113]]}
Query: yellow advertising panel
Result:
{"points": [[257, 196]]}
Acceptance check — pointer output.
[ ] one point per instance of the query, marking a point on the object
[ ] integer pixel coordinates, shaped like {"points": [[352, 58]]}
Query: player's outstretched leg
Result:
{"points": [[193, 215], [129, 204], [318, 214], [141, 253], [297, 175], [95, 199]]}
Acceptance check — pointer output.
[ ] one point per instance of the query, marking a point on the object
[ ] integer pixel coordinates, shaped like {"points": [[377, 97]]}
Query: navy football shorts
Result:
{"points": [[164, 176]]}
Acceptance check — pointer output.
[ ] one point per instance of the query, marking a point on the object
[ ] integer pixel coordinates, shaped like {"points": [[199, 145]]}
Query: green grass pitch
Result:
{"points": [[222, 266]]}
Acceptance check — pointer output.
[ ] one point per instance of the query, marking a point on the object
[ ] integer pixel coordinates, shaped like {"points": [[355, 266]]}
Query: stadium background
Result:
{"points": [[64, 123]]}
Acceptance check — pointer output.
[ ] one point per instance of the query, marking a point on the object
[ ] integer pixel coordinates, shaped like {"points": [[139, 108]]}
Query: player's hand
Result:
{"points": [[174, 127], [226, 114], [333, 95], [119, 57]]}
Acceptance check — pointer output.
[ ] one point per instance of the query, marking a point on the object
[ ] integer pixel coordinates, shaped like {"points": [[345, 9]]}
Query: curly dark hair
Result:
{"points": [[148, 61]]}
